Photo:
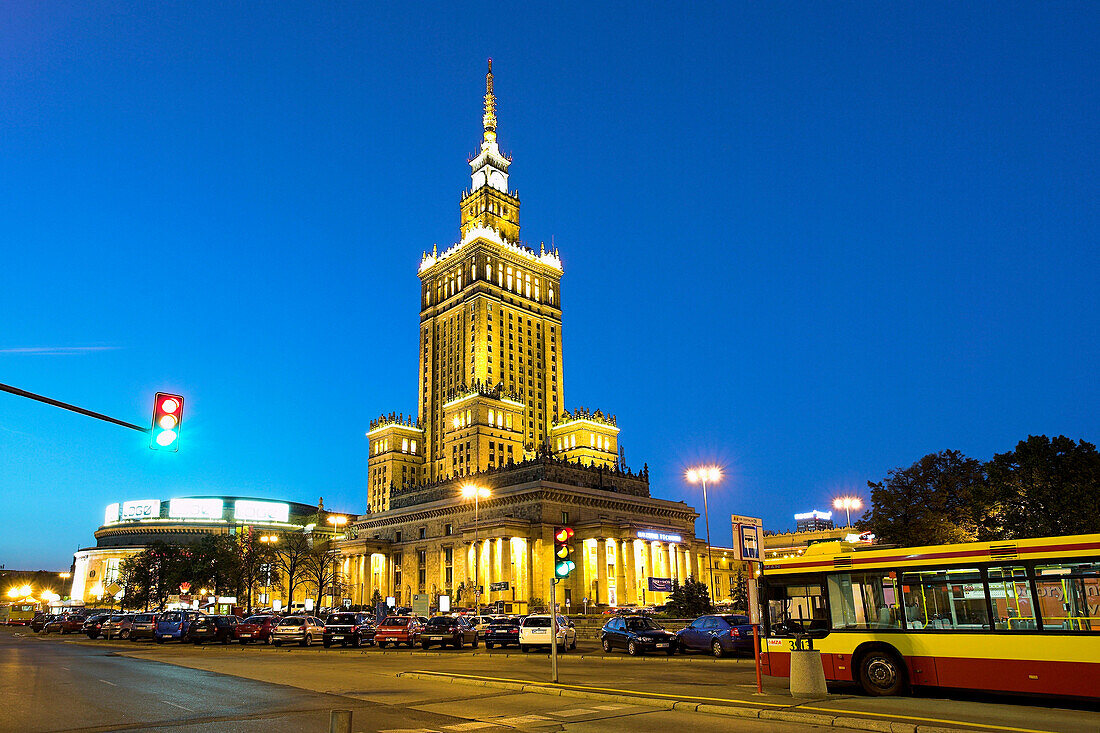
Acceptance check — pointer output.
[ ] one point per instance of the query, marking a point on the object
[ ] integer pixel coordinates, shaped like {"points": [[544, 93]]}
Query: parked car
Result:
{"points": [[448, 630], [720, 635], [174, 625], [118, 626], [347, 627], [534, 631], [40, 620], [212, 628], [302, 630], [398, 630], [502, 632], [66, 623], [257, 628], [93, 625], [638, 635], [144, 626], [481, 623]]}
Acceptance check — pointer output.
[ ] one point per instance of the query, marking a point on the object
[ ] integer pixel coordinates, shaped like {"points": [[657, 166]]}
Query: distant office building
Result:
{"points": [[814, 521]]}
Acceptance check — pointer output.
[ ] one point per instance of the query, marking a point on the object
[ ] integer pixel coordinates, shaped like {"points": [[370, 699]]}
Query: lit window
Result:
{"points": [[404, 445], [492, 418], [469, 417], [591, 440], [559, 443], [508, 420], [573, 440], [414, 446], [455, 422]]}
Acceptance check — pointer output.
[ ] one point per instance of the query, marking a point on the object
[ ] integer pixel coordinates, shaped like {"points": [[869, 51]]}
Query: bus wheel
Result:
{"points": [[881, 673]]}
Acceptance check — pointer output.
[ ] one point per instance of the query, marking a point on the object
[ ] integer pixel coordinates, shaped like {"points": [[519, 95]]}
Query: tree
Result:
{"points": [[290, 557], [690, 599], [938, 500], [1044, 488], [253, 556], [318, 571], [739, 591], [148, 578]]}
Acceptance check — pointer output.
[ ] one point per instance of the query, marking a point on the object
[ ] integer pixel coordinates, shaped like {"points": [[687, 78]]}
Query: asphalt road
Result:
{"points": [[72, 684]]}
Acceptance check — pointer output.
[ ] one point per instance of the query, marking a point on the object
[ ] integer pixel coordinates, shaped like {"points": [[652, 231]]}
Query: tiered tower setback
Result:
{"points": [[491, 388]]}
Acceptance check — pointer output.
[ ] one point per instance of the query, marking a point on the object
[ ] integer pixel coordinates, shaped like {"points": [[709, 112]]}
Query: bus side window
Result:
{"points": [[1069, 596], [793, 609], [864, 601], [1013, 606], [945, 599]]}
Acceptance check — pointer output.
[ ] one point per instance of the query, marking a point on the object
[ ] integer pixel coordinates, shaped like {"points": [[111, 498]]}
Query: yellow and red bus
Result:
{"points": [[17, 613], [1019, 616]]}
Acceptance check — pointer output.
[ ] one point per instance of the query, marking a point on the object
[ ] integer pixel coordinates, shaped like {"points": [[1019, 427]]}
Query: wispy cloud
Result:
{"points": [[55, 350]]}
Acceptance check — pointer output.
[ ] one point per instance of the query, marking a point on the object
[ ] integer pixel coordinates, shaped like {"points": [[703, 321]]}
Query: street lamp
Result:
{"points": [[336, 522], [848, 503], [700, 476], [469, 491]]}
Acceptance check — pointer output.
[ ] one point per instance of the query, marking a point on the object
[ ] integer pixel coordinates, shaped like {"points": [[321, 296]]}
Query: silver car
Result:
{"points": [[302, 630]]}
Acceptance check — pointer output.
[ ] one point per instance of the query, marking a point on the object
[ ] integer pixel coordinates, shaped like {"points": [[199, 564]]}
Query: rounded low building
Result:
{"points": [[129, 527]]}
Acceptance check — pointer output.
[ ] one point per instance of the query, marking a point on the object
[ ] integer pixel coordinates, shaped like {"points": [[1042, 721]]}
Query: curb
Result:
{"points": [[738, 711]]}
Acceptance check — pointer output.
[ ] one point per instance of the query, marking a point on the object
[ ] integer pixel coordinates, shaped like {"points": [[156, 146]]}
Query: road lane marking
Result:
{"points": [[112, 684], [177, 706], [520, 720], [793, 708], [472, 725]]}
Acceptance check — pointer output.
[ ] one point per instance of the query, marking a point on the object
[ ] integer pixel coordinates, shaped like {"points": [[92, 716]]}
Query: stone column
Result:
{"points": [[601, 571], [627, 557]]}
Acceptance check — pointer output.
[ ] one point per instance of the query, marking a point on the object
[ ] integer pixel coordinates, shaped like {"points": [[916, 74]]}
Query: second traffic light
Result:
{"points": [[167, 416], [563, 552]]}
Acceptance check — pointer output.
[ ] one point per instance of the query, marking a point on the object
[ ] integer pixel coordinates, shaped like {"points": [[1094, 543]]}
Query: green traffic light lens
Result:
{"points": [[166, 438]]}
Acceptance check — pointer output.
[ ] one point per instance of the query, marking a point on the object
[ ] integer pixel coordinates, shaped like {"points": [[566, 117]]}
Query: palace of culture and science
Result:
{"points": [[492, 415]]}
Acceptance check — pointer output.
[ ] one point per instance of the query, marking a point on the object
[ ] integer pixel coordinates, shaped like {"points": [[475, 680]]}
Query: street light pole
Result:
{"points": [[847, 503], [702, 475], [476, 493]]}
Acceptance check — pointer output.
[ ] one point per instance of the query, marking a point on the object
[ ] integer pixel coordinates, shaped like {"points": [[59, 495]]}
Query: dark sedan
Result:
{"points": [[68, 623], [638, 635], [213, 628], [502, 632], [40, 620], [346, 628], [719, 635], [93, 626], [448, 630]]}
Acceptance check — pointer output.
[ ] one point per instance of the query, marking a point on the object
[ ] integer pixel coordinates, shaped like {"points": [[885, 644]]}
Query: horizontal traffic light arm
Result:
{"points": [[73, 408]]}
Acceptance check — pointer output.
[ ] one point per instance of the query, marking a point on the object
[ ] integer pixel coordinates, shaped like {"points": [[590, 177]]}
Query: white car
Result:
{"points": [[481, 623], [535, 632]]}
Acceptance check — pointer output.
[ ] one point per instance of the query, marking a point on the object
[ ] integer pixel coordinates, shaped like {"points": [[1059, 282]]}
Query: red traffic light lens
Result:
{"points": [[564, 534], [169, 405]]}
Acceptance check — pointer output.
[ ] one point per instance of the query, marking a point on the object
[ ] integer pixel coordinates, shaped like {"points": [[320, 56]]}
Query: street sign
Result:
{"points": [[660, 585], [496, 587], [746, 537]]}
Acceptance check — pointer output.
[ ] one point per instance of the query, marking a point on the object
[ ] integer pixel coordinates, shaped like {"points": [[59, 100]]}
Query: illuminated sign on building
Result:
{"points": [[814, 515], [111, 515], [195, 509], [141, 509], [659, 536], [247, 510]]}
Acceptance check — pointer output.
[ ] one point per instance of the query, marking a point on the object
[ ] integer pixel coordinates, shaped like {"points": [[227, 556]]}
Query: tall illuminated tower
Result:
{"points": [[490, 342]]}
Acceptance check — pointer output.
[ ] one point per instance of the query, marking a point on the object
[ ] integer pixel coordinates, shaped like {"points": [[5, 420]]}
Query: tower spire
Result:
{"points": [[490, 118]]}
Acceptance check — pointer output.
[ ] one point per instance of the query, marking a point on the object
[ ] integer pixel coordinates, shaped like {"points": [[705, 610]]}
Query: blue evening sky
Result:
{"points": [[808, 241]]}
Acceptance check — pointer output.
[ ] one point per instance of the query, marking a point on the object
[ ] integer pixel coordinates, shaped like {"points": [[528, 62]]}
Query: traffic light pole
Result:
{"points": [[554, 630], [73, 408]]}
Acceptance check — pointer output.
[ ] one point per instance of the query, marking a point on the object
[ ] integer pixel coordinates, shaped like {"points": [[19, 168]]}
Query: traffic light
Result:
{"points": [[563, 552], [167, 415]]}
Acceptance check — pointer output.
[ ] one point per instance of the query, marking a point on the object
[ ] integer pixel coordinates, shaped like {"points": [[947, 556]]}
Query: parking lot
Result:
{"points": [[489, 687]]}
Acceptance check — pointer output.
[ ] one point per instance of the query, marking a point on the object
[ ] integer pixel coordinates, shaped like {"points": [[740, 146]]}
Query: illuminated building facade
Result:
{"points": [[129, 527], [491, 413]]}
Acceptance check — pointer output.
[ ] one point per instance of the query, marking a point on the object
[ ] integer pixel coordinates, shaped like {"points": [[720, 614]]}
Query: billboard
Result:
{"points": [[141, 509], [195, 508], [655, 536], [249, 510], [110, 516], [660, 585]]}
